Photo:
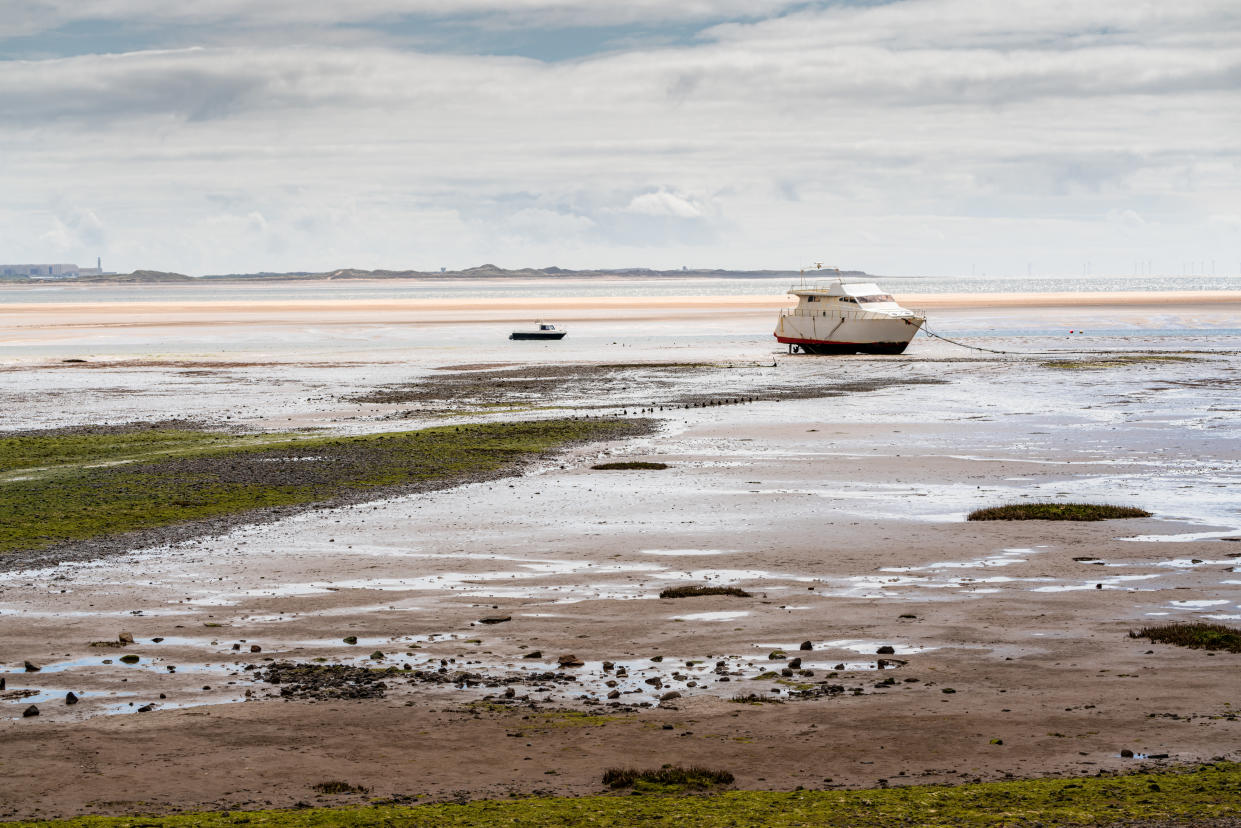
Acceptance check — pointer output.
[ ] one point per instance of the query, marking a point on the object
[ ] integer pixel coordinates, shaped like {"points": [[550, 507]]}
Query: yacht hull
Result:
{"points": [[833, 334], [537, 335]]}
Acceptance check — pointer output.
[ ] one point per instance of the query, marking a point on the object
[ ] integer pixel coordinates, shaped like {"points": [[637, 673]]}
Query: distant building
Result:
{"points": [[53, 271], [50, 271]]}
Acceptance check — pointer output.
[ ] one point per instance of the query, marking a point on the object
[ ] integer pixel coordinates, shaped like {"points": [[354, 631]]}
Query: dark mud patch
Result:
{"points": [[774, 393], [630, 465], [532, 384], [106, 430], [619, 387]]}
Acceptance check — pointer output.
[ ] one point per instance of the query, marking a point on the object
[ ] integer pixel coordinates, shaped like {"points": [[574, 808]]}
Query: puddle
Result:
{"points": [[1203, 604], [853, 645], [687, 553], [1187, 537], [1111, 582], [710, 616], [1005, 558], [144, 663]]}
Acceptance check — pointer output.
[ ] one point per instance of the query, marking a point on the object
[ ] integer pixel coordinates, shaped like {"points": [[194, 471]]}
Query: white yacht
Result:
{"points": [[846, 317]]}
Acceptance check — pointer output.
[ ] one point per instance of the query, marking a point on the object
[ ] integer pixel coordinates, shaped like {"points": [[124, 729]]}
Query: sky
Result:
{"points": [[912, 137]]}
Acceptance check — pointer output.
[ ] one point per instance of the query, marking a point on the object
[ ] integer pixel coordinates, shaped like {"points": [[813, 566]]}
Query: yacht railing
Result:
{"points": [[852, 314]]}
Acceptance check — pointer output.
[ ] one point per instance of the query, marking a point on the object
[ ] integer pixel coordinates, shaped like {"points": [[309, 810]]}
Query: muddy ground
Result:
{"points": [[840, 513]]}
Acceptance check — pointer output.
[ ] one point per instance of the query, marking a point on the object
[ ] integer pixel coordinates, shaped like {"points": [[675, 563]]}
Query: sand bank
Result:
{"points": [[496, 309]]}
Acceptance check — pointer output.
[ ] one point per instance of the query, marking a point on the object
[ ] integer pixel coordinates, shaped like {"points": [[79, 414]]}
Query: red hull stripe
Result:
{"points": [[785, 340]]}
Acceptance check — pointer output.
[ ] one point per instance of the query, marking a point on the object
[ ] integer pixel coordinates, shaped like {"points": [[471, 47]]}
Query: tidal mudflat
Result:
{"points": [[863, 632]]}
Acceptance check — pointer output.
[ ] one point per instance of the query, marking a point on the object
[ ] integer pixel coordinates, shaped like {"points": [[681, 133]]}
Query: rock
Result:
{"points": [[157, 639], [2, 682], [607, 665], [534, 654], [146, 708], [32, 668], [32, 710], [615, 694], [377, 655], [806, 645], [350, 639], [655, 682], [1126, 754], [126, 638], [509, 692], [569, 660], [495, 619], [786, 672], [130, 659], [886, 650], [70, 698], [795, 664], [657, 659], [669, 696], [948, 690], [236, 647], [611, 682], [254, 648], [776, 655]]}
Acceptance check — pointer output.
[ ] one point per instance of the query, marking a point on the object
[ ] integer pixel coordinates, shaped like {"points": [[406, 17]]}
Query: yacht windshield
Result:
{"points": [[878, 297]]}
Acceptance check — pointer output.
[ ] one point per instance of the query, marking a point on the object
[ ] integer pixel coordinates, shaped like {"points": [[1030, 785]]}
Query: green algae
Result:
{"points": [[1209, 792], [1195, 635], [1117, 361], [1057, 511], [58, 488], [695, 591]]}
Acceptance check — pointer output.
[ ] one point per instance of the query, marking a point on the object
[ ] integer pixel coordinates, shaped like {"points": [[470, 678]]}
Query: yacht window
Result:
{"points": [[878, 297], [812, 298]]}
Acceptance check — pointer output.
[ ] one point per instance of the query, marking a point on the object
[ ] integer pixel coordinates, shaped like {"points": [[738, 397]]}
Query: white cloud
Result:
{"points": [[909, 136], [663, 203]]}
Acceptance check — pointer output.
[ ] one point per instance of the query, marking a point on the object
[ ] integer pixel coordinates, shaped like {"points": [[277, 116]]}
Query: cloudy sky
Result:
{"points": [[908, 137]]}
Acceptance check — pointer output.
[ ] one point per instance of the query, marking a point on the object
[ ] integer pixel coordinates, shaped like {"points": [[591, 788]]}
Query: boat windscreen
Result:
{"points": [[876, 297]]}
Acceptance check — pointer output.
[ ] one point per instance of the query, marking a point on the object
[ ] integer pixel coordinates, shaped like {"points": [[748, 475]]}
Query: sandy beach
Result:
{"points": [[833, 490]]}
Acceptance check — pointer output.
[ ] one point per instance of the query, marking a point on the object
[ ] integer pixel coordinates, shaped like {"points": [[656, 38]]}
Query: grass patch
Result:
{"points": [[58, 488], [1057, 511], [1198, 795], [337, 787], [1113, 361], [1196, 635], [667, 777], [629, 466], [694, 591]]}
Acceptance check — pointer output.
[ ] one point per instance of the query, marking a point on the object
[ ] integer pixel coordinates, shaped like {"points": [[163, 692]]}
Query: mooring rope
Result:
{"points": [[926, 330]]}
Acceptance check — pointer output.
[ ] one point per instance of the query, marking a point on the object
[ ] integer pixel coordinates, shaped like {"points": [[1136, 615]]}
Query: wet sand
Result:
{"points": [[352, 311], [842, 516]]}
